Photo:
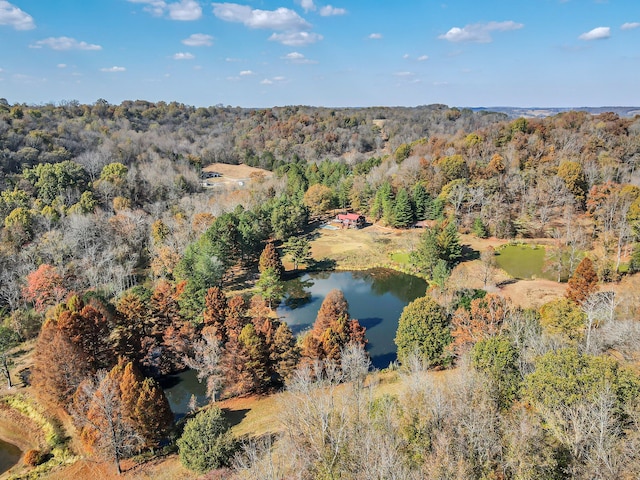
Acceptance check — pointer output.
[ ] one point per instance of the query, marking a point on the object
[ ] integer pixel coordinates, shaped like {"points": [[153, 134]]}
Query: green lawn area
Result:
{"points": [[402, 258]]}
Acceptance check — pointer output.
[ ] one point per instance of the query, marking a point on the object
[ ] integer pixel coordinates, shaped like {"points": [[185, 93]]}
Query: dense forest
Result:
{"points": [[119, 266]]}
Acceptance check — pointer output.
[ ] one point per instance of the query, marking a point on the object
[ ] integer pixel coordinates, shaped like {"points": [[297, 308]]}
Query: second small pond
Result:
{"points": [[523, 261]]}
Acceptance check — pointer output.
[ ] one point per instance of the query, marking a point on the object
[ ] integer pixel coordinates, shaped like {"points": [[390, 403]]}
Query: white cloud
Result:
{"points": [[154, 7], [279, 79], [13, 16], [183, 56], [329, 11], [198, 40], [64, 43], [404, 74], [62, 65], [282, 19], [245, 73], [406, 56], [297, 57], [598, 33], [629, 25], [375, 36], [266, 81], [272, 80], [307, 5], [296, 39], [113, 69], [232, 60], [423, 58], [479, 32], [184, 10]]}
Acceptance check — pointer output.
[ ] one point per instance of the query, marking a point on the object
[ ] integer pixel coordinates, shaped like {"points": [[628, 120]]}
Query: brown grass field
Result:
{"points": [[232, 175]]}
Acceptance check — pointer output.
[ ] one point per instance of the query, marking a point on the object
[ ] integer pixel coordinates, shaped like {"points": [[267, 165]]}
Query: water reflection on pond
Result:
{"points": [[376, 298], [9, 456], [179, 388]]}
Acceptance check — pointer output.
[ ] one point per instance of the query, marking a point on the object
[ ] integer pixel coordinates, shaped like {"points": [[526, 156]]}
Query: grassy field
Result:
{"points": [[522, 261]]}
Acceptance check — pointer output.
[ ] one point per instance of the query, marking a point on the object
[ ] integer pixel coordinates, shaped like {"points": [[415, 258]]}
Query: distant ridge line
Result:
{"points": [[540, 112]]}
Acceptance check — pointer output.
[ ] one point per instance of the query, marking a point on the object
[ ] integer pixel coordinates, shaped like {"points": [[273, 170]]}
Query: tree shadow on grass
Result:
{"points": [[322, 265], [469, 254], [234, 417]]}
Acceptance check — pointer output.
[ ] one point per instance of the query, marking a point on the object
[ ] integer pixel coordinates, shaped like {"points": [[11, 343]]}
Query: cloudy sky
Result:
{"points": [[258, 53]]}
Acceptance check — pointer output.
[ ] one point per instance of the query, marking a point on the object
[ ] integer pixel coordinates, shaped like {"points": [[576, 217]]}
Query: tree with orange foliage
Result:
{"points": [[44, 288], [236, 316], [269, 258], [59, 366], [145, 404], [119, 412], [332, 331], [86, 326], [215, 312], [99, 412], [583, 282], [483, 320]]}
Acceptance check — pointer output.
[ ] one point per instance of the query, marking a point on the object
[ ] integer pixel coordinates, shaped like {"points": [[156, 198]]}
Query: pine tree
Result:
{"points": [[422, 202], [299, 249], [270, 286], [403, 214], [583, 282], [448, 240]]}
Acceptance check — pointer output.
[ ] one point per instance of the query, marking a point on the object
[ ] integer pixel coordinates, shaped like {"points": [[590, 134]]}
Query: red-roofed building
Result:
{"points": [[351, 220]]}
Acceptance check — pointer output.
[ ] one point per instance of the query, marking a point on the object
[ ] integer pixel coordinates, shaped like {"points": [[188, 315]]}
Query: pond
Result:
{"points": [[179, 387], [376, 298], [9, 456], [523, 261]]}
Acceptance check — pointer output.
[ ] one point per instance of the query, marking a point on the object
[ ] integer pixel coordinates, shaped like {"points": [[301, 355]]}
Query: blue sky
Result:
{"points": [[259, 53]]}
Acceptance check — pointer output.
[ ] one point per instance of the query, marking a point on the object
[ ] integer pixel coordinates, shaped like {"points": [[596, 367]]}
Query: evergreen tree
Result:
{"points": [[448, 240], [206, 442], [270, 286], [422, 202], [299, 249], [479, 229], [403, 214]]}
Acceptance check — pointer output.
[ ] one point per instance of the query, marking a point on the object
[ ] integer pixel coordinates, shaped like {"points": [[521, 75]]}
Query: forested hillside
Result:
{"points": [[119, 266]]}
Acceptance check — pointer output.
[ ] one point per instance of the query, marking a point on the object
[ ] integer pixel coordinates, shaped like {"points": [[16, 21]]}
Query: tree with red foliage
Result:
{"points": [[44, 288], [483, 319], [583, 282]]}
